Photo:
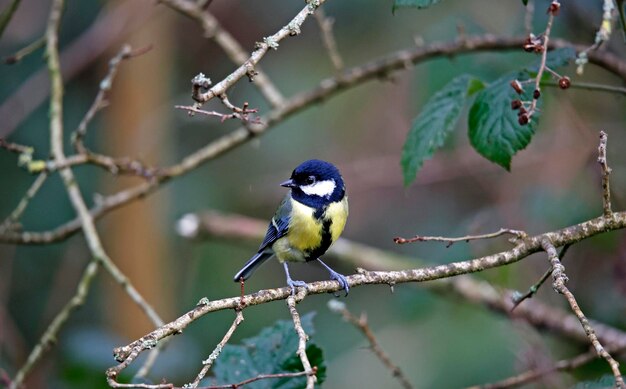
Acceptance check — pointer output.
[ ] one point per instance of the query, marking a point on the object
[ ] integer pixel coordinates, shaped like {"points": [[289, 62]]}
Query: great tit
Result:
{"points": [[308, 220]]}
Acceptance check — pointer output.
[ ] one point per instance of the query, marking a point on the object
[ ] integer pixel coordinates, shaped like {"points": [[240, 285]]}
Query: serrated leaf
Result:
{"points": [[436, 121], [316, 357], [413, 4], [494, 130], [272, 351]]}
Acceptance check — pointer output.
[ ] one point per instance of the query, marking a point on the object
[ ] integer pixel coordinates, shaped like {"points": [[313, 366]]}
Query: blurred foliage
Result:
{"points": [[272, 351], [553, 182]]}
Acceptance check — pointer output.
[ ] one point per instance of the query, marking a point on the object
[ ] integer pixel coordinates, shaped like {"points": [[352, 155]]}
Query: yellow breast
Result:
{"points": [[338, 213], [305, 231]]}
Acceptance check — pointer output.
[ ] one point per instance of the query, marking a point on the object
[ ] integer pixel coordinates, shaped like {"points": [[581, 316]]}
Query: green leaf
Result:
{"points": [[493, 127], [272, 351], [316, 357], [412, 4], [494, 130], [436, 121]]}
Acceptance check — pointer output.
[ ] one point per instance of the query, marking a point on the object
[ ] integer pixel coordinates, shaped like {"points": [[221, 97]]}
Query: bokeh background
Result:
{"points": [[439, 343]]}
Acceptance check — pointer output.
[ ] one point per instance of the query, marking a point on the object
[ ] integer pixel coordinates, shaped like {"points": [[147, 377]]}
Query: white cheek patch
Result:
{"points": [[321, 188]]}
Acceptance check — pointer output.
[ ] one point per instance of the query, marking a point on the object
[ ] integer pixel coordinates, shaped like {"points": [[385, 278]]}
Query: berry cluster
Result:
{"points": [[538, 45]]}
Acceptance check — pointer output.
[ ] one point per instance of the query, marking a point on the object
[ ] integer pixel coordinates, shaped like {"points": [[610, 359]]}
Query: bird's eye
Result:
{"points": [[310, 180]]}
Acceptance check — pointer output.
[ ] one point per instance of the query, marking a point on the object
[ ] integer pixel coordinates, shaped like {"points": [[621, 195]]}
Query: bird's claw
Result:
{"points": [[343, 281], [294, 284]]}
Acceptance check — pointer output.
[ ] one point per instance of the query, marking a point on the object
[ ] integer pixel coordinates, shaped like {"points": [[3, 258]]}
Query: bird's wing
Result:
{"points": [[279, 225]]}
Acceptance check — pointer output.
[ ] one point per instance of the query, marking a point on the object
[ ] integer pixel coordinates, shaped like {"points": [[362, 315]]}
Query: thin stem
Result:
{"points": [[217, 351], [20, 54], [606, 171], [361, 324], [15, 216], [302, 339], [247, 67], [559, 280], [535, 287], [589, 86], [100, 100], [450, 241], [7, 14], [328, 38], [214, 30], [542, 66]]}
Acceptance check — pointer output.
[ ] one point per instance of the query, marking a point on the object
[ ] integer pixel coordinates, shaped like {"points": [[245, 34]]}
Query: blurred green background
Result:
{"points": [[439, 343]]}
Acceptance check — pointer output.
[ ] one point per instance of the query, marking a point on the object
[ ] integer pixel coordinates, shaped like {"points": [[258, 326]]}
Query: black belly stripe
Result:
{"points": [[327, 240]]}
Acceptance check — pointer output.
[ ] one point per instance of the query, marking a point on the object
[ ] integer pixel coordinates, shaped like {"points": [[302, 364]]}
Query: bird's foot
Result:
{"points": [[343, 281], [293, 284]]}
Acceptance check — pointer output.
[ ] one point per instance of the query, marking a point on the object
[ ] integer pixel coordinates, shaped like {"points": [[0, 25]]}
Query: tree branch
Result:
{"points": [[325, 89], [238, 228], [530, 245], [606, 171], [247, 67], [232, 48], [311, 378], [559, 280]]}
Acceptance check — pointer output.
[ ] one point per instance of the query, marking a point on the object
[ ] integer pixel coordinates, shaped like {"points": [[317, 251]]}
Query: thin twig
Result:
{"points": [[242, 115], [20, 54], [602, 35], [450, 241], [311, 378], [261, 48], [361, 324], [606, 171], [232, 48], [101, 99], [588, 86], [261, 377], [15, 216], [552, 11], [559, 279], [7, 14], [518, 299], [328, 38], [15, 147], [217, 351]]}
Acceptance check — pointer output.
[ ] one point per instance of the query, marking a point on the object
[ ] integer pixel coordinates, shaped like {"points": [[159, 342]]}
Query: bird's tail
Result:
{"points": [[250, 266]]}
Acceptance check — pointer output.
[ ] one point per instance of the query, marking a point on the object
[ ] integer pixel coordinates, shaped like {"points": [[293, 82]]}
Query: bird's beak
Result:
{"points": [[288, 184]]}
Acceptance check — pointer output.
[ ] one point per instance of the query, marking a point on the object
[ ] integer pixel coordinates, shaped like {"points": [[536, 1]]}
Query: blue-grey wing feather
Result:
{"points": [[279, 225]]}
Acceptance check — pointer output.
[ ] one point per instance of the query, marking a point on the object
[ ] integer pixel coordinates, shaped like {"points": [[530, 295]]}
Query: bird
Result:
{"points": [[309, 219]]}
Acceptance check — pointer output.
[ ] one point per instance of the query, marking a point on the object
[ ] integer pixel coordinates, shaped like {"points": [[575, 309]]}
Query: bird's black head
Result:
{"points": [[316, 183]]}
